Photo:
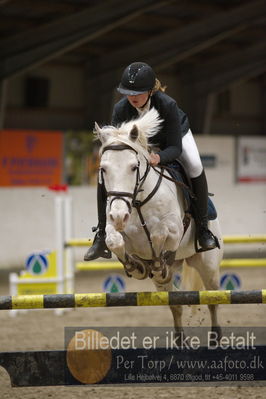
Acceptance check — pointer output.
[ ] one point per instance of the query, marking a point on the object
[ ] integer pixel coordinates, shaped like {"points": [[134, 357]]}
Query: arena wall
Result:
{"points": [[27, 214]]}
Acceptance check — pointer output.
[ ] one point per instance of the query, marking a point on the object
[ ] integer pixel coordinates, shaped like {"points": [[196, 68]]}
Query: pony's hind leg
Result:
{"points": [[176, 309], [207, 264]]}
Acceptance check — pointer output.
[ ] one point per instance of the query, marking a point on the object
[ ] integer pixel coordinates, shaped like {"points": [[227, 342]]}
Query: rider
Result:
{"points": [[142, 91]]}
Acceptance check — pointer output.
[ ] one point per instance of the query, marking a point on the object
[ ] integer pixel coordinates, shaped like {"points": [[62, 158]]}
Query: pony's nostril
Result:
{"points": [[111, 217], [126, 217]]}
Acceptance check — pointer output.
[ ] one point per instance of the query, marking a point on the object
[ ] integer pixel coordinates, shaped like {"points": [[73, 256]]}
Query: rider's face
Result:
{"points": [[139, 100]]}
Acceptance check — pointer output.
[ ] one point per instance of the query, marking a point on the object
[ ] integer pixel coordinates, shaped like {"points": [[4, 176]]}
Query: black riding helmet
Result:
{"points": [[137, 78]]}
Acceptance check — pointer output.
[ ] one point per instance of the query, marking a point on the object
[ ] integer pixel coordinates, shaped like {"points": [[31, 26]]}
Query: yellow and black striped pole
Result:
{"points": [[85, 242], [114, 265], [132, 299]]}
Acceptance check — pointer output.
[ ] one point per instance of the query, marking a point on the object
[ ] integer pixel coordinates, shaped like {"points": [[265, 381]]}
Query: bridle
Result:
{"points": [[123, 195]]}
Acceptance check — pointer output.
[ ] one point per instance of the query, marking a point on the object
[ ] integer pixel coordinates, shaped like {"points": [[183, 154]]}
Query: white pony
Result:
{"points": [[145, 213]]}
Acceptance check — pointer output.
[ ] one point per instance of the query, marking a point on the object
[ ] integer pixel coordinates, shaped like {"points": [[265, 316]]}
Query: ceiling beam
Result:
{"points": [[3, 2], [19, 53], [167, 49], [217, 75], [42, 7]]}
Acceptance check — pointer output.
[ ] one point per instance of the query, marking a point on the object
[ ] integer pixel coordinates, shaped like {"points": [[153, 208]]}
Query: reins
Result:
{"points": [[177, 182], [138, 204]]}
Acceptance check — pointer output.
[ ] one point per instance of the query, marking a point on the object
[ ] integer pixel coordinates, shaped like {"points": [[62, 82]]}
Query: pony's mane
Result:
{"points": [[147, 125]]}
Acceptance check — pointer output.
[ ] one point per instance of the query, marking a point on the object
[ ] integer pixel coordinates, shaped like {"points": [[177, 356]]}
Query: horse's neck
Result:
{"points": [[171, 195]]}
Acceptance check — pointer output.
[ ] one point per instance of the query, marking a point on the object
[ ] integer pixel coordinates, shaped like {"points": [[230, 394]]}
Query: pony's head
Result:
{"points": [[123, 153]]}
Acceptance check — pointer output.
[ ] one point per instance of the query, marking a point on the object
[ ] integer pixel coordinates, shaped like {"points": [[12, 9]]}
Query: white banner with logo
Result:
{"points": [[251, 159]]}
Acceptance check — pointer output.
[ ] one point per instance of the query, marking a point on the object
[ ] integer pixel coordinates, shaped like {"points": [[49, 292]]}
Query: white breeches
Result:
{"points": [[190, 157]]}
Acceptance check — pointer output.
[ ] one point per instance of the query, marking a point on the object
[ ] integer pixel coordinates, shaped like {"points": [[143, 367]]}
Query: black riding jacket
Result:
{"points": [[174, 126]]}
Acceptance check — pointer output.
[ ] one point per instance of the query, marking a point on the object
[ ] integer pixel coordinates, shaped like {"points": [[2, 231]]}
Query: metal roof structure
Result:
{"points": [[214, 42]]}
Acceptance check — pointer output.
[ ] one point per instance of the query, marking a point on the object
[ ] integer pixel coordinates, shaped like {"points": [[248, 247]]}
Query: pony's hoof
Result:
{"points": [[162, 277], [127, 273], [135, 267]]}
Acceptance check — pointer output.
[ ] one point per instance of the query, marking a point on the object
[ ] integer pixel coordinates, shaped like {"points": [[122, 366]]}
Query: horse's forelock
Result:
{"points": [[147, 126]]}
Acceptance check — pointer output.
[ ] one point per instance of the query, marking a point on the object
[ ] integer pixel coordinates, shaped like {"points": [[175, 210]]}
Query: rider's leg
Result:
{"points": [[200, 188], [191, 159], [99, 248]]}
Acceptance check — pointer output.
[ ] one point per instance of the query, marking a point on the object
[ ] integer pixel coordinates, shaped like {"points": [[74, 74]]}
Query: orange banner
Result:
{"points": [[31, 158]]}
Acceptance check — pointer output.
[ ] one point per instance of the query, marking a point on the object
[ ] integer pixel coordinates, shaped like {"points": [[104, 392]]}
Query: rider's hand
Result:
{"points": [[154, 159]]}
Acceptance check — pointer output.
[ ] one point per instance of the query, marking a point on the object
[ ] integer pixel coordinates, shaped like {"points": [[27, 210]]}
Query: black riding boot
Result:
{"points": [[205, 238], [99, 248]]}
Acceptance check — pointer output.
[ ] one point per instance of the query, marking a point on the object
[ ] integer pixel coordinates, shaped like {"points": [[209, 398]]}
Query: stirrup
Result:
{"points": [[98, 249], [92, 254], [201, 249]]}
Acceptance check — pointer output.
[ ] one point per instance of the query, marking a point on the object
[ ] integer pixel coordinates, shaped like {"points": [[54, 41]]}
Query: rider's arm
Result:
{"points": [[172, 130]]}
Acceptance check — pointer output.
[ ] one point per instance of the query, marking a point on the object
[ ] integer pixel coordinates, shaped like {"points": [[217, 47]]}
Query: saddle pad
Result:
{"points": [[212, 213], [178, 173]]}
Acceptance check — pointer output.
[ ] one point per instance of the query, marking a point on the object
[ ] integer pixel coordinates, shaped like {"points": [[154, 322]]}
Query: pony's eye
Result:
{"points": [[133, 168]]}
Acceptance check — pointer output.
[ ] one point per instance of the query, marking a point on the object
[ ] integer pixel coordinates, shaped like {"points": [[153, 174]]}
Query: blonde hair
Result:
{"points": [[158, 86]]}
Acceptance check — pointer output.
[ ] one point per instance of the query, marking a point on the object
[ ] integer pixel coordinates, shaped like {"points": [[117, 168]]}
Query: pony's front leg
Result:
{"points": [[115, 242], [158, 237], [159, 234], [164, 243]]}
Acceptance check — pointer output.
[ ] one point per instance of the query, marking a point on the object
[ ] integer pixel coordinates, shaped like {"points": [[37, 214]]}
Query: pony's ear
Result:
{"points": [[134, 133], [99, 133], [96, 127]]}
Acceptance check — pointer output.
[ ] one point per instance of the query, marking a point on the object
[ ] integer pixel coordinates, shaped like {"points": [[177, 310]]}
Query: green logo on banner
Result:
{"points": [[37, 263], [230, 282], [114, 283]]}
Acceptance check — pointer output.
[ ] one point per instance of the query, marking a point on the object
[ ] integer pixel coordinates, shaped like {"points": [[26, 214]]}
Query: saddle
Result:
{"points": [[178, 173]]}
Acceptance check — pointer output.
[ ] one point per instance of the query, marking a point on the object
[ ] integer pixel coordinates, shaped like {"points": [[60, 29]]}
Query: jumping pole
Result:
{"points": [[132, 299]]}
